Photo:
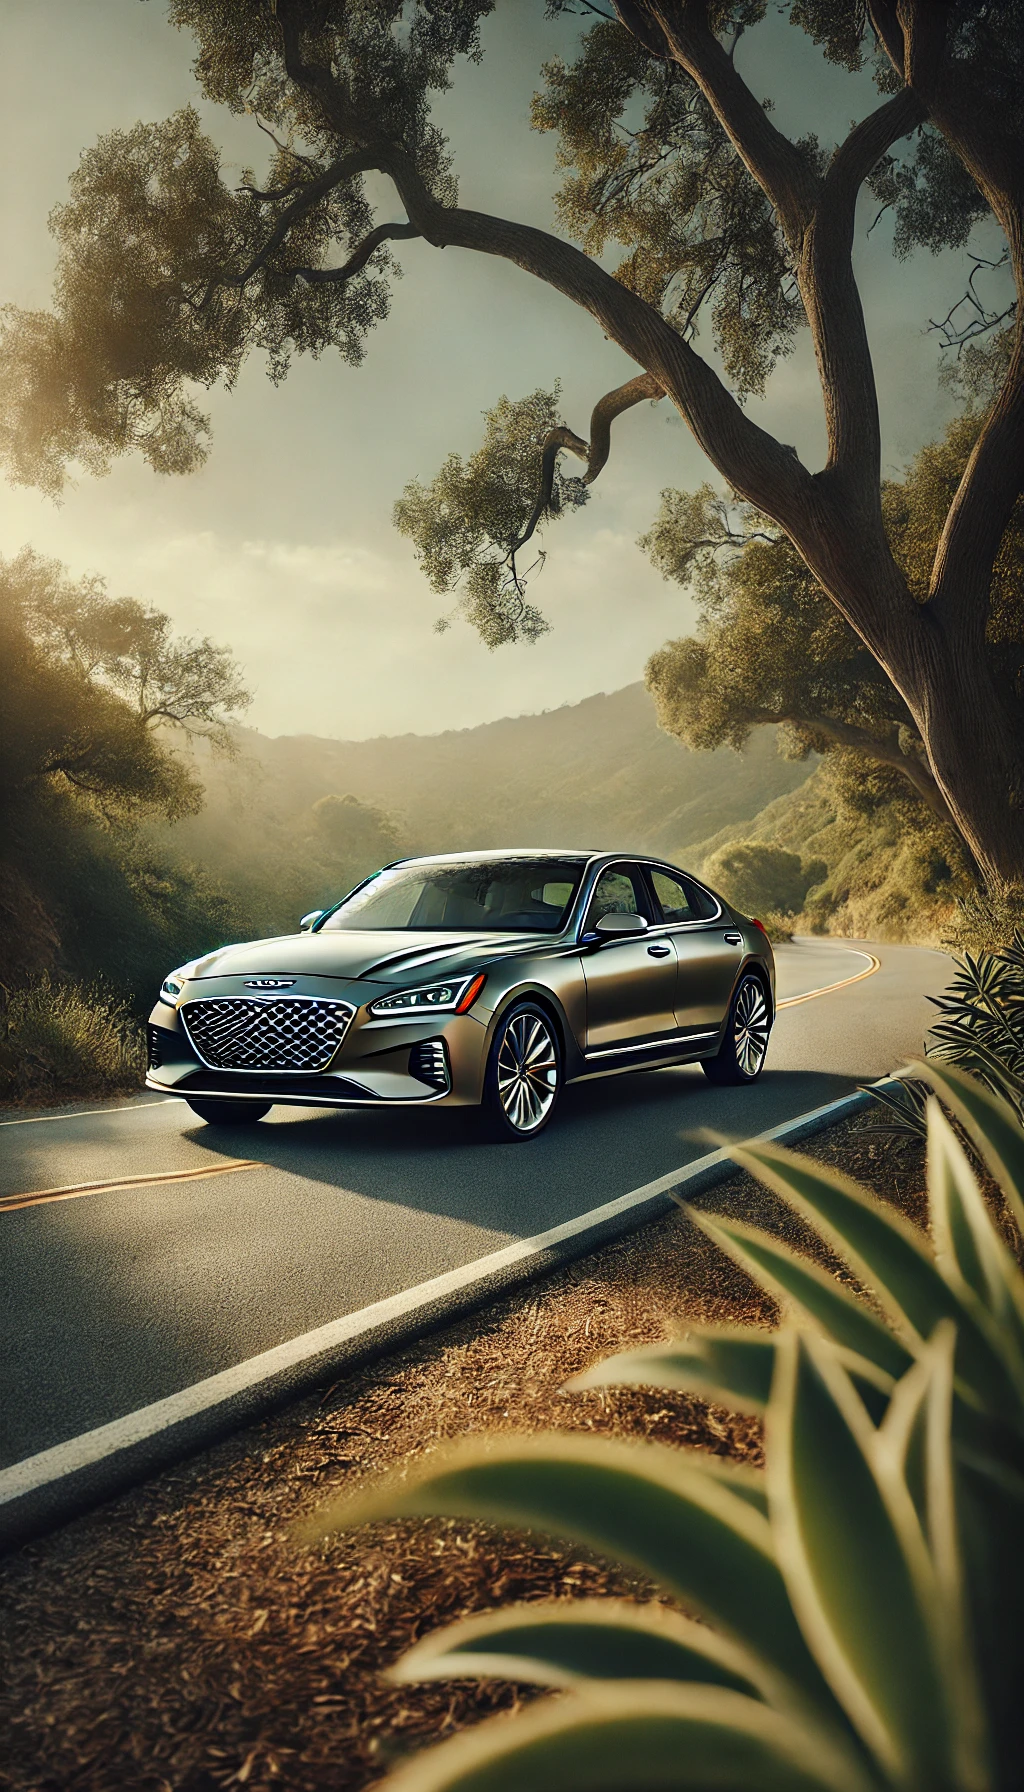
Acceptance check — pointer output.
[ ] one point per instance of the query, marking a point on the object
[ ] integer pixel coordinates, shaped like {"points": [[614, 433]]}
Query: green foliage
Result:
{"points": [[65, 729], [355, 834], [64, 1039], [752, 877], [467, 523], [893, 871], [167, 278], [860, 1604], [701, 237], [981, 1029], [91, 686], [772, 647]]}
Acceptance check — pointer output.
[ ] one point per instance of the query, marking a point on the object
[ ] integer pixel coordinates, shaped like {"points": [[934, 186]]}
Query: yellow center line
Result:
{"points": [[75, 1191], [826, 990]]}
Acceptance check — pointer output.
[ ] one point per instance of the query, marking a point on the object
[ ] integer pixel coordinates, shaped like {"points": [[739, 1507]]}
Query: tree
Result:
{"points": [[353, 834], [168, 277], [772, 648], [128, 649], [753, 875]]}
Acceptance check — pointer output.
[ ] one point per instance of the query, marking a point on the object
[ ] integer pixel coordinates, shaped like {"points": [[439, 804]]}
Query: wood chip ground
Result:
{"points": [[179, 1638]]}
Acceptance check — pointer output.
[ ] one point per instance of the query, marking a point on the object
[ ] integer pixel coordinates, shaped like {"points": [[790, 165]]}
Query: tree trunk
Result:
{"points": [[976, 756]]}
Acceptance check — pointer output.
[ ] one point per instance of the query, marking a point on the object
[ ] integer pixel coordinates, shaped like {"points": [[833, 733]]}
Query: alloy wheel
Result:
{"points": [[527, 1070], [750, 1027]]}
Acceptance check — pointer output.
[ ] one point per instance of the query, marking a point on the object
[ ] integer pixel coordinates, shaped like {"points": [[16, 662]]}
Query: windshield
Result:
{"points": [[531, 895]]}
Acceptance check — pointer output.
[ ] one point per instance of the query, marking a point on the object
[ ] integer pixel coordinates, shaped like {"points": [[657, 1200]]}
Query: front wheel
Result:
{"points": [[524, 1074], [230, 1113], [741, 1055]]}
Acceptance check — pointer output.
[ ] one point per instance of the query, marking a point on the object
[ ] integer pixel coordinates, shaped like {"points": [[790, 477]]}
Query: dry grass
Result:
{"points": [[59, 1040], [179, 1638]]}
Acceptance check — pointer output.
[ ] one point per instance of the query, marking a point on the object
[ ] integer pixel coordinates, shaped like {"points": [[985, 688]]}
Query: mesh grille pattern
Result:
{"points": [[289, 1033]]}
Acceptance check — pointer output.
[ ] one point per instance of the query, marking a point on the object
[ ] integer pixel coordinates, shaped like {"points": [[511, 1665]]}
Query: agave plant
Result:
{"points": [[854, 1614], [981, 1030]]}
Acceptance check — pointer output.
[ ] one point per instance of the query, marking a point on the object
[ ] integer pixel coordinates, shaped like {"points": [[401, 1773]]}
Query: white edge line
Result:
{"points": [[81, 1452], [128, 1107]]}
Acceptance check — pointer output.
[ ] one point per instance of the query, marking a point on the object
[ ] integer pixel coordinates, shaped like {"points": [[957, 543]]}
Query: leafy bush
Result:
{"points": [[860, 1601], [61, 1039], [753, 876], [982, 1029]]}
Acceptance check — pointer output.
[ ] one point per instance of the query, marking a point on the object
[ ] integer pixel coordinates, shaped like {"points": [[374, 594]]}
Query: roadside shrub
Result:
{"points": [[861, 1600], [981, 1028], [753, 876], [68, 1039]]}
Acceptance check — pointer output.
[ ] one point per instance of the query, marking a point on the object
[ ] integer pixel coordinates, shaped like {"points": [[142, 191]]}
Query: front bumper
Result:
{"points": [[436, 1060]]}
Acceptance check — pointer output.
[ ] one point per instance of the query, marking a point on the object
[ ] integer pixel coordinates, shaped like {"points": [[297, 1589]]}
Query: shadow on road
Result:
{"points": [[607, 1137]]}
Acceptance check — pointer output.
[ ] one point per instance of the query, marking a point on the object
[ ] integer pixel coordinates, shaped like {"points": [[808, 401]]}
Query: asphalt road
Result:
{"points": [[118, 1297]]}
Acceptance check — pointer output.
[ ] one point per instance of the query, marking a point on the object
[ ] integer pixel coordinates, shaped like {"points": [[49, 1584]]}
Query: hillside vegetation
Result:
{"points": [[881, 869], [594, 774]]}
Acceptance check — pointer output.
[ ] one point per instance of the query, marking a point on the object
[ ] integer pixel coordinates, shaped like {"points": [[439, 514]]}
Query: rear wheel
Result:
{"points": [[524, 1074], [230, 1113], [741, 1055]]}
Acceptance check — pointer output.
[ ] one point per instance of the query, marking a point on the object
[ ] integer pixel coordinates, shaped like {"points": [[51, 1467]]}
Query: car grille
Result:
{"points": [[288, 1033]]}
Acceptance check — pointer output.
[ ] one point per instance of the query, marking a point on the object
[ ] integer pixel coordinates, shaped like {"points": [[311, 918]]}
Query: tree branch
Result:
{"points": [[384, 233], [596, 451], [887, 751], [358, 161], [831, 298], [781, 170], [761, 469]]}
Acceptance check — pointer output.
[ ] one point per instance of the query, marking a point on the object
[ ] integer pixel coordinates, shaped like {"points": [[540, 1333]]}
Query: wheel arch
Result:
{"points": [[755, 967], [541, 998]]}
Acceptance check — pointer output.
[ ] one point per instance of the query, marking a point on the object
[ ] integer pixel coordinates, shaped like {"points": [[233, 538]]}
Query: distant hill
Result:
{"points": [[595, 774]]}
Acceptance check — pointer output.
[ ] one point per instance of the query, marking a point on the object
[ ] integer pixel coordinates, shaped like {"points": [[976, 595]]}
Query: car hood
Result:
{"points": [[352, 955]]}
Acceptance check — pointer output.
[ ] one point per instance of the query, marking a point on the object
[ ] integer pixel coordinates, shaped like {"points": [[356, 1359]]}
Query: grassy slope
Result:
{"points": [[887, 878]]}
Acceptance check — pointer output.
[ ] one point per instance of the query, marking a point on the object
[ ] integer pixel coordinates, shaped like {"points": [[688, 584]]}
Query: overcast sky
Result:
{"points": [[282, 546]]}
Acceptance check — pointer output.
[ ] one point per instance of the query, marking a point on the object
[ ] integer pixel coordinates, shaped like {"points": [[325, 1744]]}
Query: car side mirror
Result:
{"points": [[310, 920], [615, 926]]}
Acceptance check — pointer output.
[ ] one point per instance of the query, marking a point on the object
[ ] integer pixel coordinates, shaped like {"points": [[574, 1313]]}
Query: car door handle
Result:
{"points": [[733, 939], [658, 951]]}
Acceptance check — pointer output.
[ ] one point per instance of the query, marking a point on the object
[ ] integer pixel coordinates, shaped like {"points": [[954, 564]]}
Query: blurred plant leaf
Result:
{"points": [[560, 1644]]}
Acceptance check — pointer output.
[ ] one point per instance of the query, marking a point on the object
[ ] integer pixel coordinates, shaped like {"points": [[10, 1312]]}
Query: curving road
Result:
{"points": [[232, 1243]]}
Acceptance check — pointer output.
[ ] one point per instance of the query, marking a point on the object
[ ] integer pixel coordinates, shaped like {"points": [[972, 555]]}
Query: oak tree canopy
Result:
{"points": [[169, 275]]}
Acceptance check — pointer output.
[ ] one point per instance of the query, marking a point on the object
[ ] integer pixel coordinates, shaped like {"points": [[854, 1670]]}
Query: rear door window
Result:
{"points": [[680, 900]]}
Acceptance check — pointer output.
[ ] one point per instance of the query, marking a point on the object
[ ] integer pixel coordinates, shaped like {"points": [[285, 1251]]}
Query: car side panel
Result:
{"points": [[708, 961]]}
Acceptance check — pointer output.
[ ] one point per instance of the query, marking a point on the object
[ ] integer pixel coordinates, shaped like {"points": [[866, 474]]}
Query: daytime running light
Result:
{"points": [[450, 997]]}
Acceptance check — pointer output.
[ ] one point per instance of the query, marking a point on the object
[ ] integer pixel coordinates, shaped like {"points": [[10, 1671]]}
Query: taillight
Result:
{"points": [[760, 924]]}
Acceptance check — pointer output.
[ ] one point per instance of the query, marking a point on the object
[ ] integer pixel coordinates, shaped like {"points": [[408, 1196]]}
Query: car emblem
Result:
{"points": [[269, 982]]}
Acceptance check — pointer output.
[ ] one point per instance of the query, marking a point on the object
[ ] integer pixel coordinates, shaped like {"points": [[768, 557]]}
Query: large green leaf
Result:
{"points": [[730, 1366], [652, 1507], [966, 1241], [734, 1367], [584, 1639], [640, 1738], [860, 1574], [891, 1258], [793, 1278], [989, 1121]]}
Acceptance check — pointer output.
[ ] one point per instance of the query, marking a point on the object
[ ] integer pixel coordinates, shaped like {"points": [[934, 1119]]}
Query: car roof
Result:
{"points": [[577, 855]]}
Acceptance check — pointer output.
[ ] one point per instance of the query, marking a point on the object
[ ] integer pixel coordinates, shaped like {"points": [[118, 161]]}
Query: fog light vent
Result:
{"points": [[153, 1039], [428, 1063]]}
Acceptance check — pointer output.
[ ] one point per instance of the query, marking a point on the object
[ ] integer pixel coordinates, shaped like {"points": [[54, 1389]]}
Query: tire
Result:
{"points": [[523, 1079], [740, 1057], [230, 1113]]}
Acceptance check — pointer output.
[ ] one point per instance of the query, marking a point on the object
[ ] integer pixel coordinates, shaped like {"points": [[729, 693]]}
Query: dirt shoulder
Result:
{"points": [[180, 1638]]}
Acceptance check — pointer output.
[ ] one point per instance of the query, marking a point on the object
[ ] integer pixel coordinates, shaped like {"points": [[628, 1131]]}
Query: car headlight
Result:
{"points": [[171, 987], [455, 996]]}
